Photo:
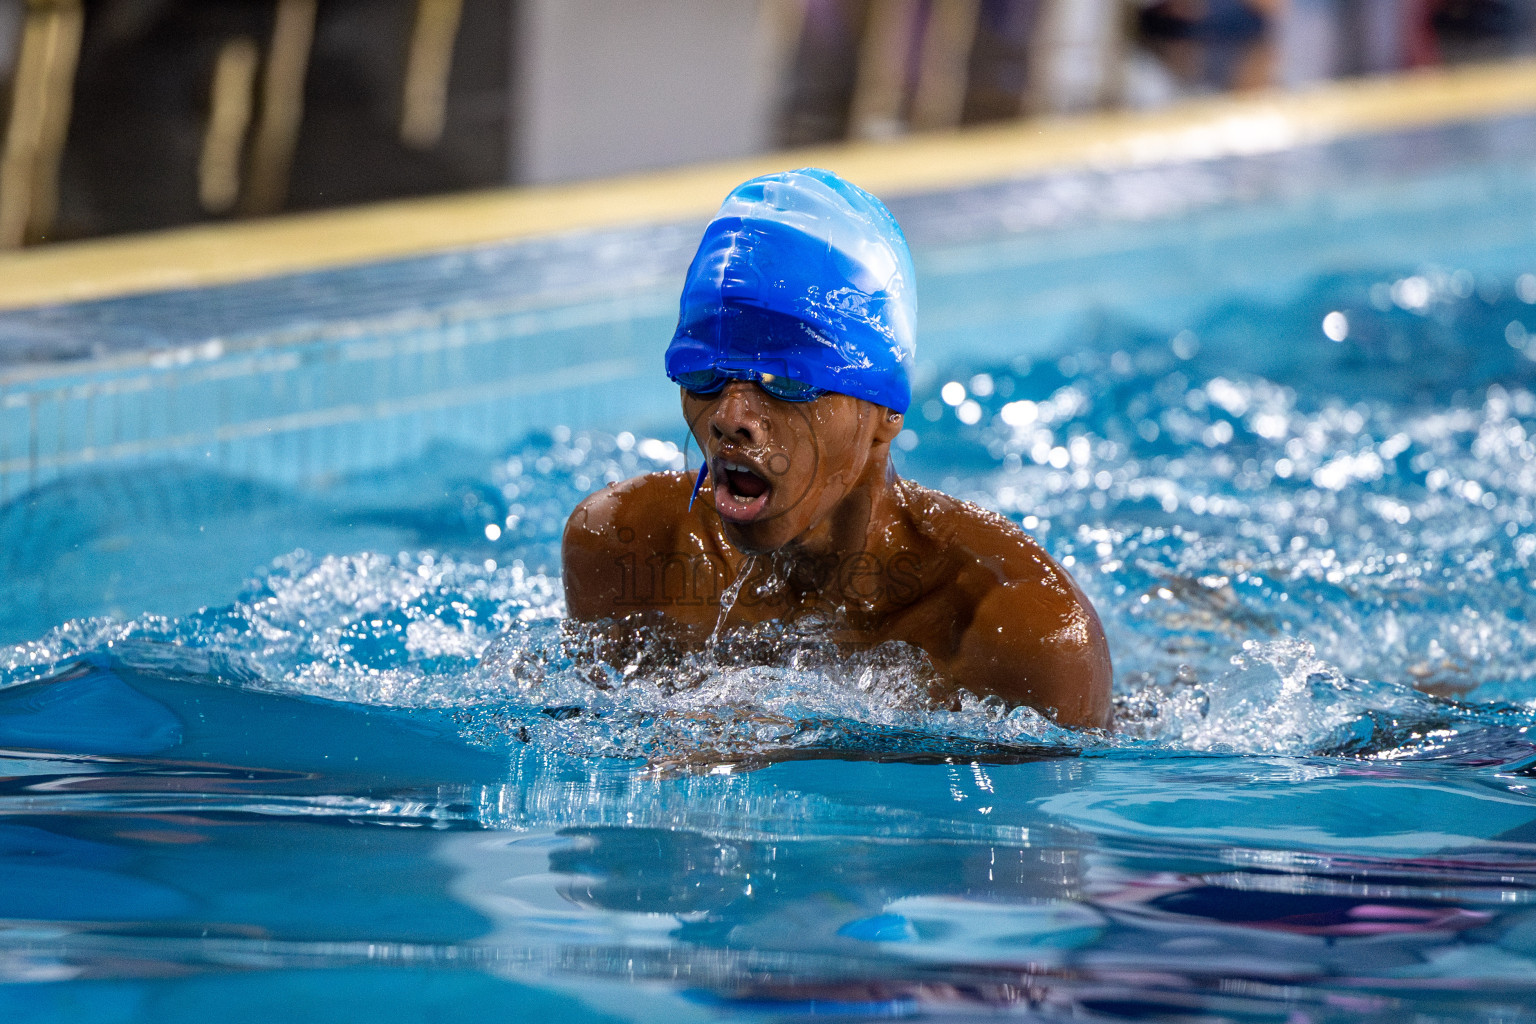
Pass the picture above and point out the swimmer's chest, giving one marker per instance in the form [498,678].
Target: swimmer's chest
[858,601]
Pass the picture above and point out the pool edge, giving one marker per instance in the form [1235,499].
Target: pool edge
[226,253]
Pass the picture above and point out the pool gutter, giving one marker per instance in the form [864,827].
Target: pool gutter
[215,254]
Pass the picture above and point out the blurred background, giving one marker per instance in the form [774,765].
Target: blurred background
[127,115]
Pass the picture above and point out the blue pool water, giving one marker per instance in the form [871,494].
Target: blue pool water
[1287,444]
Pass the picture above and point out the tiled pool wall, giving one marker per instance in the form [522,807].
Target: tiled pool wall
[298,380]
[304,408]
[301,380]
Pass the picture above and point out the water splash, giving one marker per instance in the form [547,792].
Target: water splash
[728,598]
[492,647]
[1298,545]
[1253,479]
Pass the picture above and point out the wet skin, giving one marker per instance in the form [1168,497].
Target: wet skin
[804,510]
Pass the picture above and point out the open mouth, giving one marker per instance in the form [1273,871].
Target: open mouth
[741,491]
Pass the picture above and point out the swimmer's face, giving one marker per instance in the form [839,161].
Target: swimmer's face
[777,468]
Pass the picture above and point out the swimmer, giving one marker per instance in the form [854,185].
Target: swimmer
[793,353]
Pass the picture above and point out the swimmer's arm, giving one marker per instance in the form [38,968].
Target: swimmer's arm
[591,562]
[1031,644]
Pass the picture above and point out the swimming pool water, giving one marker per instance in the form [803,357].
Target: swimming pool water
[374,781]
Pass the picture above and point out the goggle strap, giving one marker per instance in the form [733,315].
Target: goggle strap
[698,485]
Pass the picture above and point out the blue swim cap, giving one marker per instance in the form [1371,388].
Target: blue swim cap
[806,276]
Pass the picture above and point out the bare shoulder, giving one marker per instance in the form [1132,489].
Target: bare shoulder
[630,505]
[991,539]
[1030,634]
[631,518]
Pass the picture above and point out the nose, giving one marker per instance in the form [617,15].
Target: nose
[739,414]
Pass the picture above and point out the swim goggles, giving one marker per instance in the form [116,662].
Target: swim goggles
[711,380]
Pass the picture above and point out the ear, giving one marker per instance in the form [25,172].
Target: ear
[888,426]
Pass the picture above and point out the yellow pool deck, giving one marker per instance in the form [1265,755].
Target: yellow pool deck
[230,252]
